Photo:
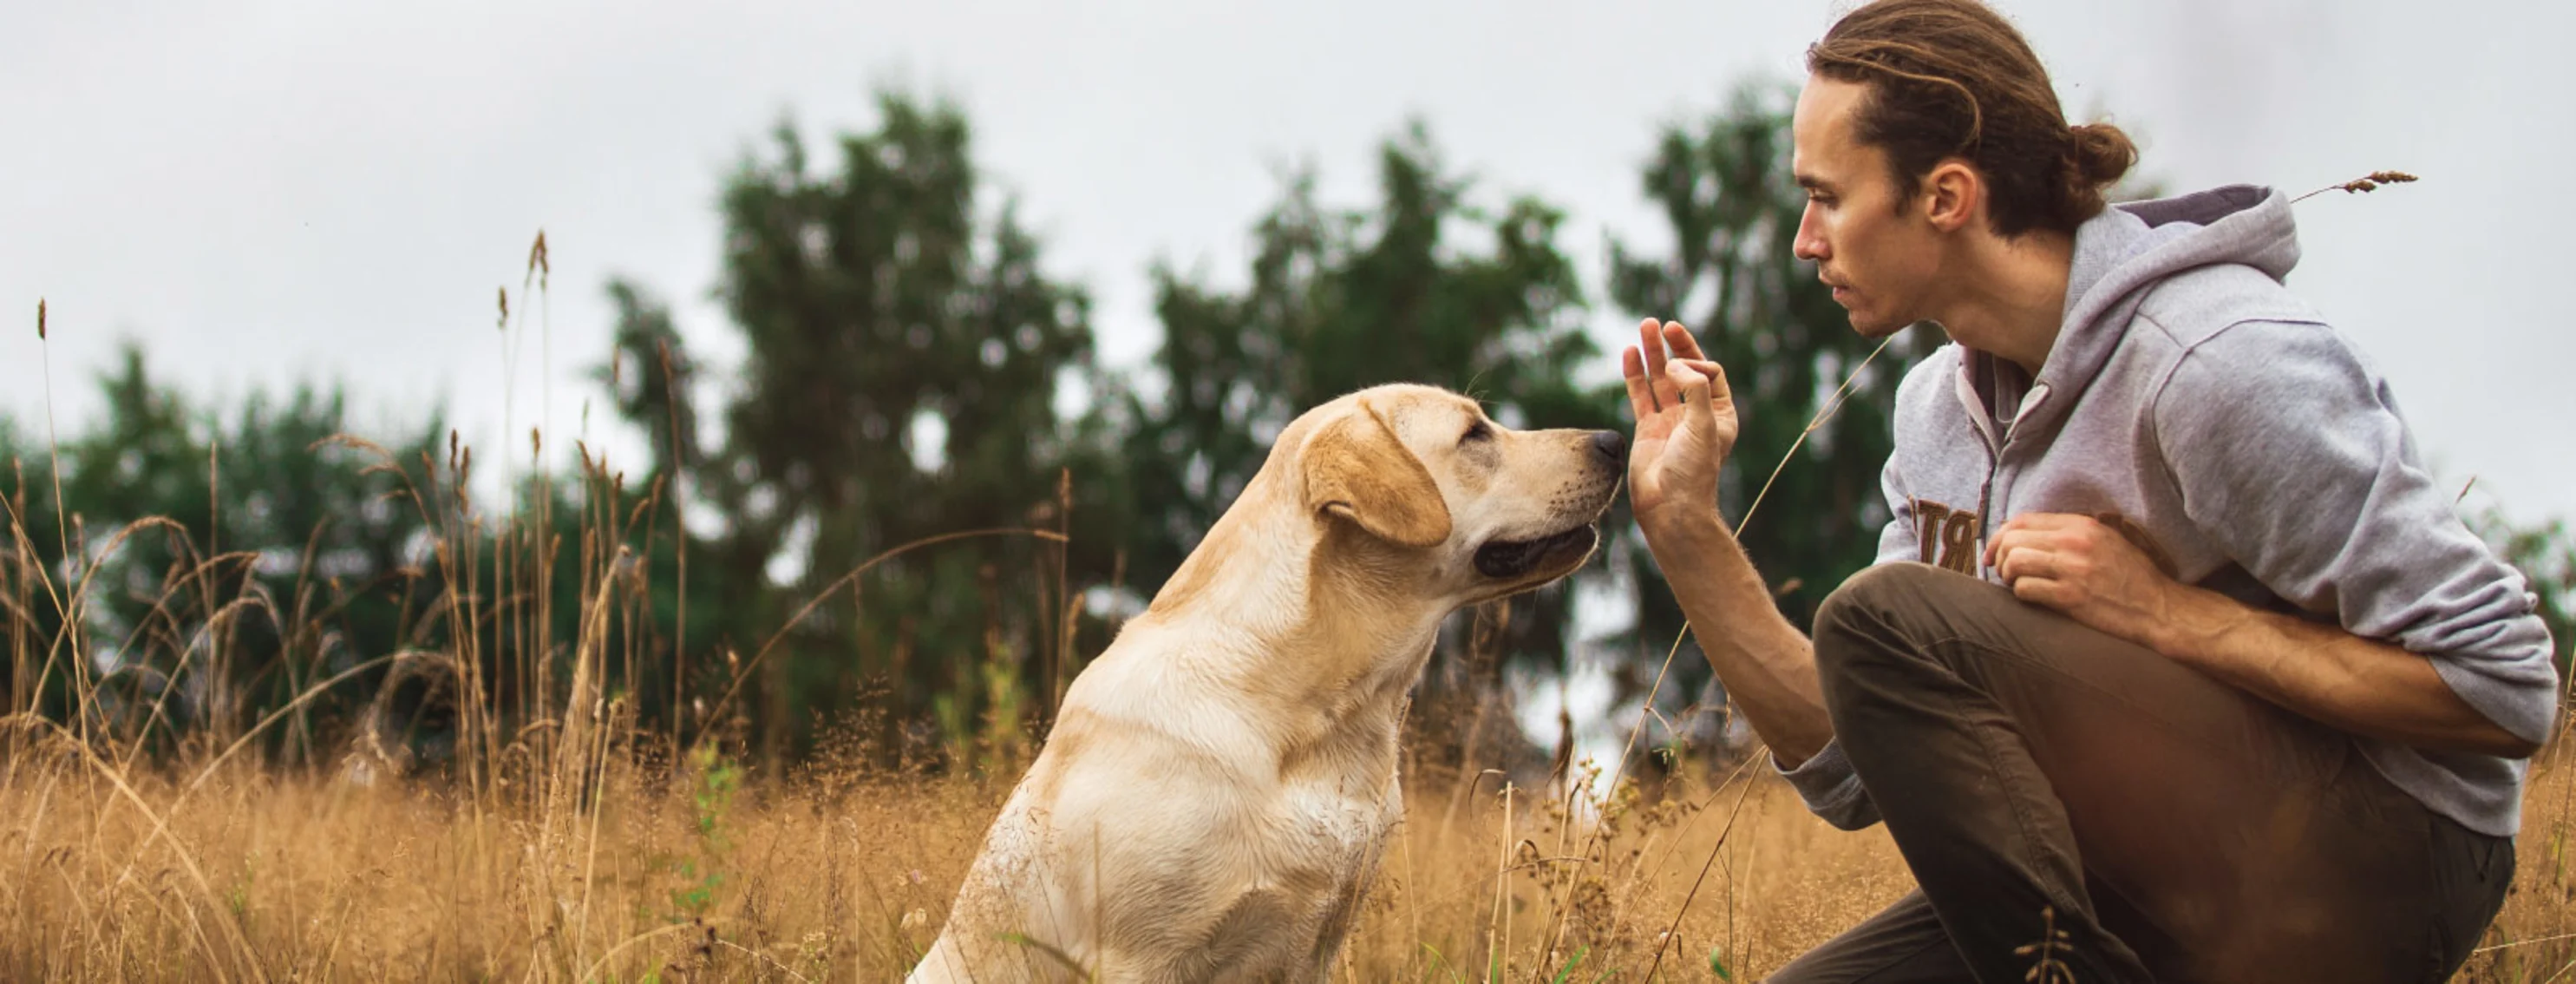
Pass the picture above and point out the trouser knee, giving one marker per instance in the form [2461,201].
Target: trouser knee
[1874,615]
[1881,624]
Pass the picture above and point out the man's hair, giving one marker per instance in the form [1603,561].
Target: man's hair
[1952,78]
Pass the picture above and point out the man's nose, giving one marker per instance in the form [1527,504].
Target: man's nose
[1612,446]
[1809,241]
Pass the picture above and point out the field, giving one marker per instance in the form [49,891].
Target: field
[689,871]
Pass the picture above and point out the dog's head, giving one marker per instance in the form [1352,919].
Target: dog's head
[1419,477]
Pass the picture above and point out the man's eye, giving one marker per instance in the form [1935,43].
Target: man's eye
[1478,431]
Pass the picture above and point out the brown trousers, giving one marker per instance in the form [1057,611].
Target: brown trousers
[2037,773]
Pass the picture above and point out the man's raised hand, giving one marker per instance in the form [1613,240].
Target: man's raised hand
[1686,422]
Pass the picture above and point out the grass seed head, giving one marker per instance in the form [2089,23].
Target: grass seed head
[2372,181]
[2367,182]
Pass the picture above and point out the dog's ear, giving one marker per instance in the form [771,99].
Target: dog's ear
[1356,469]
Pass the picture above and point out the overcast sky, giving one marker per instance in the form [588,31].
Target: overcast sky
[261,191]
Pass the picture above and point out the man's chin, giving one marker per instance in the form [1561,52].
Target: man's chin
[1866,325]
[1871,324]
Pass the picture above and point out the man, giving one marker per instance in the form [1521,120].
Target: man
[2173,646]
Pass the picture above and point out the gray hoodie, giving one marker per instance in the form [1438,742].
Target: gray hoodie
[2207,413]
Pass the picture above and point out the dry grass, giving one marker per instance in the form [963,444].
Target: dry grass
[841,874]
[834,874]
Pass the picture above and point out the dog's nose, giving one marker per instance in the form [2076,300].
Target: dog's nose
[1611,445]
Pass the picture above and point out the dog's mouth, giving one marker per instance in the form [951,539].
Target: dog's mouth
[1507,559]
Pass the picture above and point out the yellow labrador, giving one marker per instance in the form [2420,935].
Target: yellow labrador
[1219,784]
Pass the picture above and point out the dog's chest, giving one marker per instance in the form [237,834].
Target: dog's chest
[1319,849]
[1341,819]
[1327,837]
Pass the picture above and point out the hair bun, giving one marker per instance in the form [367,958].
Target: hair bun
[2099,153]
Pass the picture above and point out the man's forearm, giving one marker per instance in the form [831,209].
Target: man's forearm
[2322,672]
[1766,664]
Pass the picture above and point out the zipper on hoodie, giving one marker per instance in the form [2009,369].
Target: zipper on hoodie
[1982,417]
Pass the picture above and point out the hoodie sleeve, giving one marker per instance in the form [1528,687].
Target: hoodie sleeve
[2289,454]
[1830,788]
[1898,541]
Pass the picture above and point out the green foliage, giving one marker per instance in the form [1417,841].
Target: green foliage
[1425,287]
[997,743]
[1732,210]
[649,374]
[649,377]
[2545,553]
[13,450]
[904,350]
[1566,973]
[713,779]
[1725,189]
[267,506]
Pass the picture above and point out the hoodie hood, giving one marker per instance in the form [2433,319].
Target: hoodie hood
[2130,248]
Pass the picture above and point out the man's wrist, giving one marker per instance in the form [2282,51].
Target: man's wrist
[1681,522]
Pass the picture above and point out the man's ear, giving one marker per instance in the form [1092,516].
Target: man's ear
[1356,469]
[1953,193]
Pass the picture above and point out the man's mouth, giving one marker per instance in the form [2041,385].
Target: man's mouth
[1507,559]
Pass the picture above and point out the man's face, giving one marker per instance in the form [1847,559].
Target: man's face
[1881,257]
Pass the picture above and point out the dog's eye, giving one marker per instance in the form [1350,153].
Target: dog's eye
[1478,431]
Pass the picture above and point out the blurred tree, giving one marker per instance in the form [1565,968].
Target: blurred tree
[1732,209]
[1423,288]
[2546,554]
[226,564]
[904,353]
[19,638]
[649,376]
[651,379]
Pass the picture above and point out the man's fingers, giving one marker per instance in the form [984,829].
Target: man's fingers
[2015,533]
[2022,564]
[1650,338]
[2045,591]
[1641,395]
[1679,340]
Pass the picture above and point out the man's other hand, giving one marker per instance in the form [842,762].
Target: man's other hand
[2079,566]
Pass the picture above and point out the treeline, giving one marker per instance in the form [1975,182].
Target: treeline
[920,502]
